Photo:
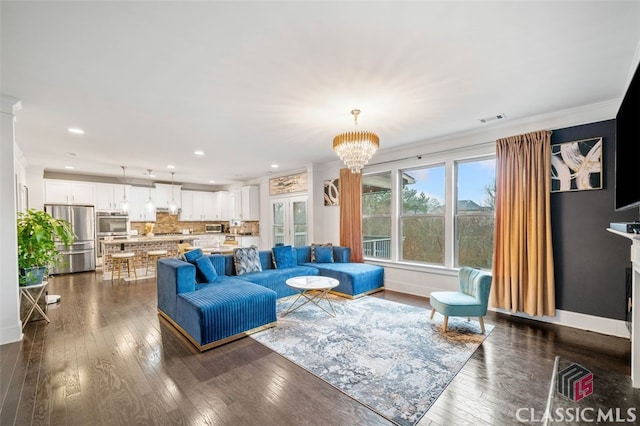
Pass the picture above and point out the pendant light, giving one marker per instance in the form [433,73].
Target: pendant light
[124,203]
[356,148]
[173,207]
[150,206]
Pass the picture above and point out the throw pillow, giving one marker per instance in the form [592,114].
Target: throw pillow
[192,255]
[247,259]
[324,254]
[205,270]
[315,246]
[283,257]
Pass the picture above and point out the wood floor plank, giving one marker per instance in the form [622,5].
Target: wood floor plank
[107,358]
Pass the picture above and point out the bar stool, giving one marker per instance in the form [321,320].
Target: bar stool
[153,256]
[119,259]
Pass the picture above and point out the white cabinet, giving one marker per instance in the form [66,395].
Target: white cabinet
[235,204]
[137,209]
[192,206]
[248,240]
[68,192]
[221,205]
[165,194]
[224,205]
[245,203]
[250,203]
[109,196]
[208,240]
[204,206]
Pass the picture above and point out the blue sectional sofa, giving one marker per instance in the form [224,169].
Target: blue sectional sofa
[205,299]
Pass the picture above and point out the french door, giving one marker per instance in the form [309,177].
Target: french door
[289,220]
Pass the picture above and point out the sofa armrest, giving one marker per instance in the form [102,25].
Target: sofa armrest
[341,254]
[176,276]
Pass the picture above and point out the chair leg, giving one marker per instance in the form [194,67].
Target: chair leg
[446,322]
[133,264]
[119,269]
[433,311]
[481,324]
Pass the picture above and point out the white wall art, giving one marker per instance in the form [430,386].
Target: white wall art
[577,165]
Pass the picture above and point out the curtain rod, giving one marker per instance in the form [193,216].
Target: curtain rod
[419,156]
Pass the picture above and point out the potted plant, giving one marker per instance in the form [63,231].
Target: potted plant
[38,236]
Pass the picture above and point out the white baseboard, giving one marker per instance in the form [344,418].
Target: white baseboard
[577,320]
[11,334]
[580,321]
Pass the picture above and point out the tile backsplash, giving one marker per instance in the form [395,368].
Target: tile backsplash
[169,223]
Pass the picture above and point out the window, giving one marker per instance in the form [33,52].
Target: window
[475,206]
[376,215]
[422,215]
[434,211]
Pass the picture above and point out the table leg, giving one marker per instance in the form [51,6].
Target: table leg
[317,296]
[34,305]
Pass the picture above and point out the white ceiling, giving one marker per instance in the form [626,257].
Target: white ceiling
[256,83]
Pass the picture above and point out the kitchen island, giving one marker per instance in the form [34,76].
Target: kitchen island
[140,246]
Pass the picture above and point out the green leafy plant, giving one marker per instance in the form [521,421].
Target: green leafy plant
[38,234]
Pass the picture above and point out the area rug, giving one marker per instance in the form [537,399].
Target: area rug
[388,356]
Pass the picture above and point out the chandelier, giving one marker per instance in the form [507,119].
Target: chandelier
[356,148]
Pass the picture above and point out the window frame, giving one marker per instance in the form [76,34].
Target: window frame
[401,215]
[449,158]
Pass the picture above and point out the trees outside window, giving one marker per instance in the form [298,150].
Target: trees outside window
[475,210]
[376,215]
[422,215]
[440,213]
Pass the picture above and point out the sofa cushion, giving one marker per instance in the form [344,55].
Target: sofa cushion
[192,255]
[356,279]
[313,249]
[205,271]
[324,254]
[275,279]
[283,257]
[247,260]
[224,310]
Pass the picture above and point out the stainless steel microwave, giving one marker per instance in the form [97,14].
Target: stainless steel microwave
[214,228]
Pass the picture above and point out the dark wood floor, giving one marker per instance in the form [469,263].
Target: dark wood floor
[107,358]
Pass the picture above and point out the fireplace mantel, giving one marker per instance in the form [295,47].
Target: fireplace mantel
[635,304]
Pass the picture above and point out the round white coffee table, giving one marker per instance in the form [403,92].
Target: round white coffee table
[314,289]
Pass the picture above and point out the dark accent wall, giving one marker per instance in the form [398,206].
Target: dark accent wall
[589,261]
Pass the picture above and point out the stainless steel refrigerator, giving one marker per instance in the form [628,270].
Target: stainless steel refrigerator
[81,256]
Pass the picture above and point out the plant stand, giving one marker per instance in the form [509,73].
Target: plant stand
[32,301]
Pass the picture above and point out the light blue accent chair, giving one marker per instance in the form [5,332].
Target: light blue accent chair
[470,301]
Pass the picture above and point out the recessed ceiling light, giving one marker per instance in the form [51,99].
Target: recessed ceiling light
[171,166]
[69,167]
[212,181]
[274,166]
[75,130]
[198,152]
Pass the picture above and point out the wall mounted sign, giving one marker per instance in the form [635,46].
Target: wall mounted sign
[577,165]
[287,184]
[332,192]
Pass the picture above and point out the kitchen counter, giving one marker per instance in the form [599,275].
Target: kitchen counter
[140,246]
[175,238]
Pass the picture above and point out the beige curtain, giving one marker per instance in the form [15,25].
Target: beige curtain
[523,278]
[351,213]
